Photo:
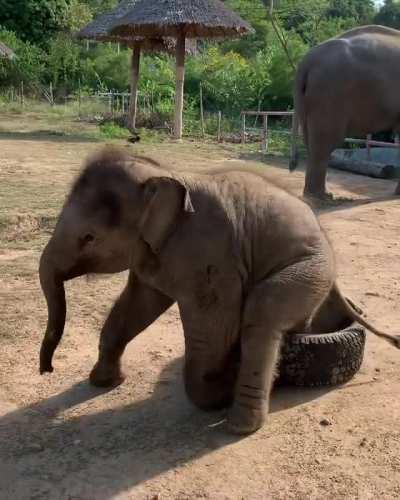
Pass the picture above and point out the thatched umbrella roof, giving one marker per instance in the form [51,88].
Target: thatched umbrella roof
[100,29]
[181,19]
[199,18]
[6,51]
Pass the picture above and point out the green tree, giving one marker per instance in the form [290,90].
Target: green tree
[63,62]
[362,11]
[256,14]
[99,6]
[389,14]
[78,15]
[35,21]
[301,16]
[29,65]
[317,20]
[225,77]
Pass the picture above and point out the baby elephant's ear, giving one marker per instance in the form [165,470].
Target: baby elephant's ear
[166,200]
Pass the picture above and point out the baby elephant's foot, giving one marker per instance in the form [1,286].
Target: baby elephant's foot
[106,375]
[245,420]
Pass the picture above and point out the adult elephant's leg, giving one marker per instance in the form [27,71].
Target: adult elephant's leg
[397,192]
[324,134]
[273,307]
[138,306]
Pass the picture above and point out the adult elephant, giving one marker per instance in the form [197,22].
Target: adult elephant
[346,86]
[245,261]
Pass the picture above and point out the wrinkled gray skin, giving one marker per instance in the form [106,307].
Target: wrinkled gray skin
[345,87]
[245,261]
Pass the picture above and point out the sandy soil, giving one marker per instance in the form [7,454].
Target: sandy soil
[62,439]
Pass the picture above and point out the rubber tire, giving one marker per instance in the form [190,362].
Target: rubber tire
[315,360]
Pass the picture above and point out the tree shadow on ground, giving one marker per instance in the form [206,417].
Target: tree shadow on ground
[46,135]
[98,455]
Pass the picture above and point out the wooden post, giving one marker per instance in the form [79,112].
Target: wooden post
[243,128]
[132,114]
[265,133]
[180,82]
[79,98]
[219,137]
[203,133]
[295,131]
[22,95]
[51,94]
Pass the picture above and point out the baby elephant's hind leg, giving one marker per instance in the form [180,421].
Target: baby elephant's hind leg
[275,306]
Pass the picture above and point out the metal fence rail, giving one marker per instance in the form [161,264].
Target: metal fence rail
[381,144]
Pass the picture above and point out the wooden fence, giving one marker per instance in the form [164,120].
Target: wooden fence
[369,142]
[265,115]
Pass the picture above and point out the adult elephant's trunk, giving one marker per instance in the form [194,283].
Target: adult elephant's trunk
[52,282]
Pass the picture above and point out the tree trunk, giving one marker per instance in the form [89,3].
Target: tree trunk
[180,81]
[132,114]
[370,168]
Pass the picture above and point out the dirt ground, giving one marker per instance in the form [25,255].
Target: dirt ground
[62,439]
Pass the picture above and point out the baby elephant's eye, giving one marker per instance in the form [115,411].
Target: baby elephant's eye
[84,240]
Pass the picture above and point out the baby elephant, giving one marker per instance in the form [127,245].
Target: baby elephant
[245,261]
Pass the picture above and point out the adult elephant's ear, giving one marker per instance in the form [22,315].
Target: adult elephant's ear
[166,200]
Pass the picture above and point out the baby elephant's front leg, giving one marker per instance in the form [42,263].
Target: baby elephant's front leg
[211,360]
[138,307]
[209,386]
[272,308]
[259,356]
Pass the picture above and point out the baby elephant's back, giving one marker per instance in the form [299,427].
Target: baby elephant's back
[275,227]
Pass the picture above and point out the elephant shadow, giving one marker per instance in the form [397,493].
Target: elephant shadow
[98,455]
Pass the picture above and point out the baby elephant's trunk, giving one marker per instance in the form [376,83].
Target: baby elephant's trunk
[52,284]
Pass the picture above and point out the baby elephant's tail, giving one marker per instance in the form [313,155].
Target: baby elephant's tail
[392,339]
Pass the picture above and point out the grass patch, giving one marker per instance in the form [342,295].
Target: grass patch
[111,130]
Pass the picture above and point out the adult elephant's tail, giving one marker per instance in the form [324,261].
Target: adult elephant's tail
[300,119]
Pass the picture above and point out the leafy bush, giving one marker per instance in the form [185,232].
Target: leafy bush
[29,64]
[63,66]
[35,21]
